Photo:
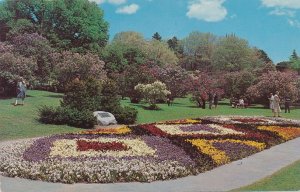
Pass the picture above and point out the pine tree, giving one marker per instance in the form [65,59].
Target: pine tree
[156,36]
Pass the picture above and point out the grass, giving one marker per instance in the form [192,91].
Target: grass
[18,122]
[286,179]
[183,108]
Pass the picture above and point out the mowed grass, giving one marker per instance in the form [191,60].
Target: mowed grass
[286,179]
[184,108]
[18,122]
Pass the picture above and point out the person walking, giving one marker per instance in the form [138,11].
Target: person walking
[271,100]
[276,105]
[287,103]
[216,100]
[21,91]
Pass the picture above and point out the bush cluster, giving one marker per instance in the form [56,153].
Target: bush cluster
[84,97]
[66,115]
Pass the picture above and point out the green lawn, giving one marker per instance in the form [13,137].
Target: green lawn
[183,108]
[21,122]
[287,179]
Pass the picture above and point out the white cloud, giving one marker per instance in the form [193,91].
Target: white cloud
[115,2]
[294,23]
[207,10]
[283,12]
[291,4]
[128,9]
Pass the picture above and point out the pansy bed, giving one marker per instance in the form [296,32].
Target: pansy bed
[144,153]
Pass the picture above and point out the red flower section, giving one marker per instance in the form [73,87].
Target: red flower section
[154,130]
[249,120]
[250,134]
[83,145]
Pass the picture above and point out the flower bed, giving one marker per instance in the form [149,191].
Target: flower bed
[144,153]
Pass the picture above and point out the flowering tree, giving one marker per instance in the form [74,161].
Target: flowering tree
[284,82]
[201,85]
[175,78]
[129,78]
[67,65]
[38,48]
[14,66]
[153,92]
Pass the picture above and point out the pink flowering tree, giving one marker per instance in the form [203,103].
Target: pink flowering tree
[201,85]
[284,82]
[68,65]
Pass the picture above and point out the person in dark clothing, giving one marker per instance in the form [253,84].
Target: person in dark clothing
[216,100]
[287,103]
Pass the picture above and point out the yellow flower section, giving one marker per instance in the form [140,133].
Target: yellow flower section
[192,121]
[183,121]
[117,131]
[206,147]
[258,145]
[286,133]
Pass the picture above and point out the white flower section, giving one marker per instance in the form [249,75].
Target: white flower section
[68,148]
[207,10]
[175,130]
[128,9]
[291,4]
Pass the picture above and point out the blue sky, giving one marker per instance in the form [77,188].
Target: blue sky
[271,25]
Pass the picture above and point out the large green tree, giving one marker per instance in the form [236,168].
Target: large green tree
[198,49]
[67,24]
[234,54]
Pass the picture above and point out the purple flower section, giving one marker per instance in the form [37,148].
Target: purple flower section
[235,150]
[199,127]
[165,150]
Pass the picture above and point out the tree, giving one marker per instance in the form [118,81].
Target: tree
[201,85]
[160,54]
[174,45]
[156,36]
[117,56]
[284,82]
[129,78]
[175,78]
[198,49]
[295,62]
[233,54]
[38,48]
[69,25]
[237,83]
[13,66]
[263,56]
[68,65]
[153,92]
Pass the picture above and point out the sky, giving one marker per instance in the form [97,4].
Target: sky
[271,25]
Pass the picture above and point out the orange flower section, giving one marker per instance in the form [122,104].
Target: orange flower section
[286,133]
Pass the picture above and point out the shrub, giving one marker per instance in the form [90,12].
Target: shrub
[126,115]
[66,115]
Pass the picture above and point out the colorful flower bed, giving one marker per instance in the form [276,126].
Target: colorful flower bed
[145,153]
